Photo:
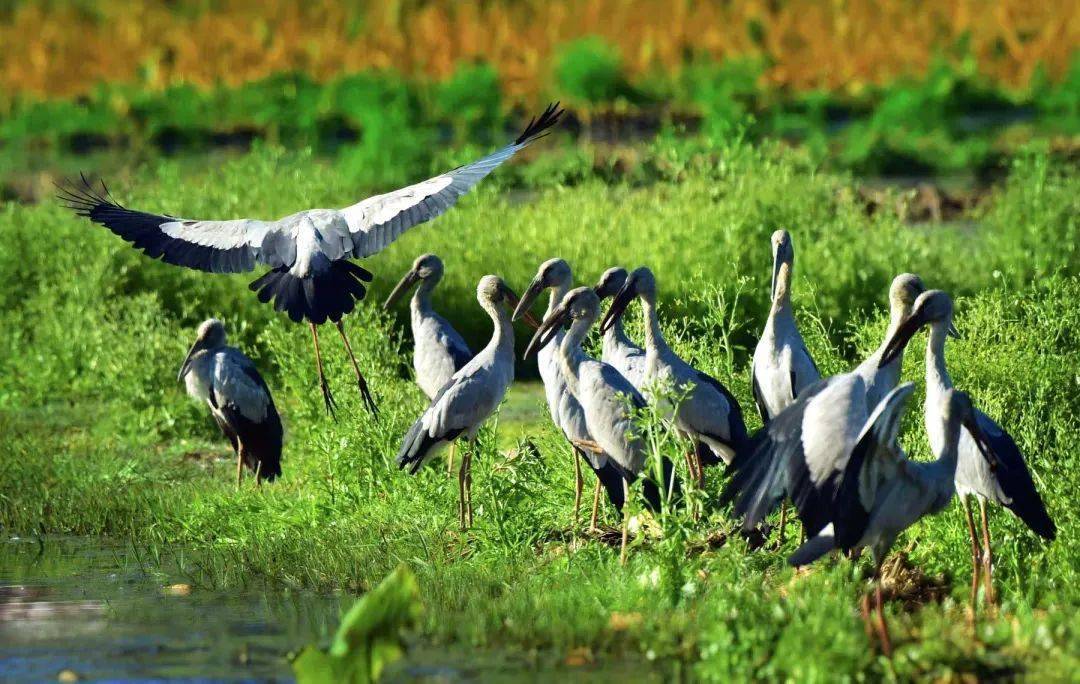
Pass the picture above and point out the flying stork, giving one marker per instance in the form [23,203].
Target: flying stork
[309,253]
[238,398]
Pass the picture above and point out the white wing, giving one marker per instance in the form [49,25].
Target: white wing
[377,221]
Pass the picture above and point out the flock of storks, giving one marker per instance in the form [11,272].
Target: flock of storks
[828,445]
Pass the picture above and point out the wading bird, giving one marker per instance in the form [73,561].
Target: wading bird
[1003,478]
[782,367]
[439,351]
[803,449]
[469,398]
[707,412]
[881,493]
[238,398]
[881,378]
[606,397]
[618,349]
[566,411]
[311,276]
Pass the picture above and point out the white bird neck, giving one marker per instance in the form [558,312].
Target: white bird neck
[421,299]
[555,297]
[654,338]
[615,337]
[937,376]
[502,337]
[570,355]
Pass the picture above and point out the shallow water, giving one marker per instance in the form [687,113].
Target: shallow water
[94,608]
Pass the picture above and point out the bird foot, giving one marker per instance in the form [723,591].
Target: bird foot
[369,400]
[328,398]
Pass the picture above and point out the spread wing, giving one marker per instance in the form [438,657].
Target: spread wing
[377,221]
[214,246]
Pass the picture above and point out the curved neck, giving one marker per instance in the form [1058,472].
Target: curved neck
[570,354]
[421,299]
[654,338]
[937,376]
[555,297]
[502,338]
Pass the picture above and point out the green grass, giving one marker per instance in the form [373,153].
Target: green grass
[99,439]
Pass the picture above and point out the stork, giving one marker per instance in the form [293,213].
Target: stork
[782,366]
[880,378]
[618,349]
[804,448]
[1003,478]
[238,398]
[439,351]
[607,399]
[707,412]
[470,397]
[311,276]
[566,411]
[881,493]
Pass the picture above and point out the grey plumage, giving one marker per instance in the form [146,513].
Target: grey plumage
[238,398]
[439,350]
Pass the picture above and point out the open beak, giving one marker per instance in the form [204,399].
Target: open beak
[410,279]
[983,443]
[618,305]
[901,337]
[531,293]
[186,366]
[521,307]
[547,332]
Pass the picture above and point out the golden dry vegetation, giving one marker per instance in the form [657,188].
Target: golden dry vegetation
[64,48]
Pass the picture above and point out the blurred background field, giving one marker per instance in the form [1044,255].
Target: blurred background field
[895,87]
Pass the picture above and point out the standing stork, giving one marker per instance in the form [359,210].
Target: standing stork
[238,398]
[618,349]
[606,397]
[1003,477]
[469,398]
[782,366]
[803,449]
[882,493]
[708,413]
[311,276]
[566,411]
[439,351]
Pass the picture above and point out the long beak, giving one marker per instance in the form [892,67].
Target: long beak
[903,335]
[187,361]
[618,306]
[775,272]
[410,279]
[531,293]
[547,332]
[983,443]
[520,304]
[953,332]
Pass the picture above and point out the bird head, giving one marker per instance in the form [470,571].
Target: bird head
[427,268]
[552,273]
[210,335]
[492,291]
[580,306]
[611,281]
[640,283]
[932,307]
[783,255]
